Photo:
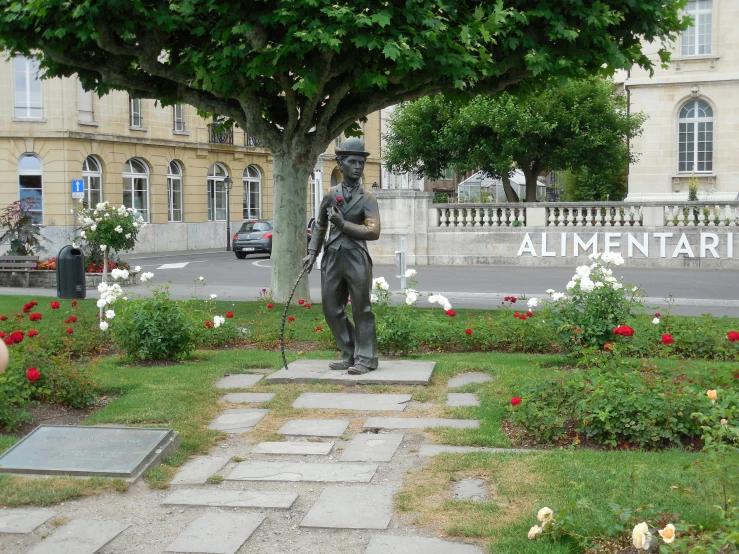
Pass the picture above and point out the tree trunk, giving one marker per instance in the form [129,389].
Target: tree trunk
[105,279]
[510,194]
[289,238]
[531,184]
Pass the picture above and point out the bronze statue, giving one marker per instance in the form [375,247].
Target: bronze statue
[346,267]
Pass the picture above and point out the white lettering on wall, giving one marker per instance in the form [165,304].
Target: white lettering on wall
[662,242]
[706,246]
[683,247]
[544,247]
[527,246]
[609,242]
[642,246]
[730,245]
[592,243]
[563,245]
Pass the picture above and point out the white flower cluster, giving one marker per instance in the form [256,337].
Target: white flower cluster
[108,294]
[411,296]
[148,276]
[410,273]
[380,283]
[119,274]
[545,516]
[594,276]
[218,321]
[441,301]
[102,211]
[641,538]
[533,303]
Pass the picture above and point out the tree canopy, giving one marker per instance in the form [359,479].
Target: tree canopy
[297,73]
[580,125]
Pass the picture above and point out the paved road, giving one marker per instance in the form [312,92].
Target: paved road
[695,291]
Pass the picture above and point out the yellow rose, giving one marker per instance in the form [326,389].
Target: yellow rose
[712,395]
[641,536]
[534,532]
[668,533]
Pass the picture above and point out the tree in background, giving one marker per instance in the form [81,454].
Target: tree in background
[581,126]
[298,73]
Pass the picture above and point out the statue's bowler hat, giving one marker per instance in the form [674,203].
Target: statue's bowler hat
[352,147]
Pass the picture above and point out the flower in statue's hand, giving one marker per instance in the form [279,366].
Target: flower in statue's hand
[339,199]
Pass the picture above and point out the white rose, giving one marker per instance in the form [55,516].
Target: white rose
[83,234]
[447,306]
[411,298]
[545,515]
[135,224]
[103,247]
[373,298]
[101,303]
[668,533]
[137,269]
[218,321]
[433,299]
[118,229]
[213,296]
[617,286]
[618,260]
[583,271]
[550,291]
[201,278]
[109,314]
[128,235]
[587,285]
[599,285]
[570,285]
[557,296]
[534,532]
[641,537]
[533,302]
[103,325]
[655,321]
[93,227]
[410,273]
[147,276]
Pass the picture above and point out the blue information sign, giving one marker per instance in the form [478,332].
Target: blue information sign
[78,188]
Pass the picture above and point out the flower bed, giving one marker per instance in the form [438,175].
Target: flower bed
[46,279]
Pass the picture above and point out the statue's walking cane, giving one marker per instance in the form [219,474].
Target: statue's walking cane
[284,313]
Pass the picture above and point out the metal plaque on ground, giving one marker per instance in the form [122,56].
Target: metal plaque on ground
[125,452]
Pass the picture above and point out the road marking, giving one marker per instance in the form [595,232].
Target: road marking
[258,263]
[173,266]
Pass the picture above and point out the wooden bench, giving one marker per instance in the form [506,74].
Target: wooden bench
[19,264]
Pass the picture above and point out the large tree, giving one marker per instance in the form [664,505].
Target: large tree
[579,125]
[296,73]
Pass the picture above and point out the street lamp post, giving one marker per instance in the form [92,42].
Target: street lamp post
[228,183]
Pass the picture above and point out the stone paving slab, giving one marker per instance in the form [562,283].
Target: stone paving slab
[297,471]
[348,401]
[232,499]
[470,489]
[247,397]
[216,533]
[419,423]
[454,399]
[395,372]
[436,449]
[294,448]
[243,381]
[197,470]
[468,379]
[23,520]
[359,507]
[369,447]
[390,544]
[80,537]
[238,420]
[314,427]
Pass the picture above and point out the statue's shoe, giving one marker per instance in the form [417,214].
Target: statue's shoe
[339,366]
[358,370]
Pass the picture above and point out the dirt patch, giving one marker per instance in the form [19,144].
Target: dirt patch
[56,414]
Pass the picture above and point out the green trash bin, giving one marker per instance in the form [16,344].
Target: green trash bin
[70,273]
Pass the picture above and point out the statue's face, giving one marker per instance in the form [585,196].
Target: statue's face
[352,167]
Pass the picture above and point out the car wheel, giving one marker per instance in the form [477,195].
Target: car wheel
[241,255]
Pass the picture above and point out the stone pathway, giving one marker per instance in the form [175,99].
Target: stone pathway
[326,488]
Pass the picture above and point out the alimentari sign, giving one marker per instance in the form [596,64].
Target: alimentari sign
[629,245]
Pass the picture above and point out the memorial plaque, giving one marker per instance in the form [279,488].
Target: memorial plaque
[124,452]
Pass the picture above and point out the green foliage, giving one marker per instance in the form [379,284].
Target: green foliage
[154,328]
[23,237]
[580,126]
[15,395]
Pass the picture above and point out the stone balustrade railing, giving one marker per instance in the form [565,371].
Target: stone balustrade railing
[585,214]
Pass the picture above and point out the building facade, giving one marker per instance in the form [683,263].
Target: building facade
[167,162]
[693,109]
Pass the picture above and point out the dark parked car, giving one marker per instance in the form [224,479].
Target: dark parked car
[255,237]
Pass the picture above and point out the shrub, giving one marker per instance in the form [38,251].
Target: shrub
[15,395]
[154,328]
[22,236]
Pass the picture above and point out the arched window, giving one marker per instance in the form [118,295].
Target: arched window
[92,174]
[136,186]
[252,193]
[695,137]
[30,184]
[217,193]
[174,191]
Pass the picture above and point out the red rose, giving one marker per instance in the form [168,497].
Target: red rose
[270,306]
[291,318]
[69,331]
[514,299]
[529,314]
[657,314]
[209,324]
[2,335]
[468,331]
[33,303]
[667,339]
[229,315]
[74,303]
[32,374]
[68,320]
[516,400]
[607,347]
[349,301]
[27,307]
[733,336]
[319,328]
[339,199]
[9,341]
[307,306]
[301,302]
[17,336]
[32,333]
[55,305]
[450,313]
[264,290]
[73,318]
[3,318]
[35,316]
[624,331]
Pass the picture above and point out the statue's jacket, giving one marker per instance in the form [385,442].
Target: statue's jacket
[361,220]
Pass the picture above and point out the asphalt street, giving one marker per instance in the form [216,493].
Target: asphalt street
[695,291]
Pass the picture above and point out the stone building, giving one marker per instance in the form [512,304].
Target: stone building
[167,162]
[693,109]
